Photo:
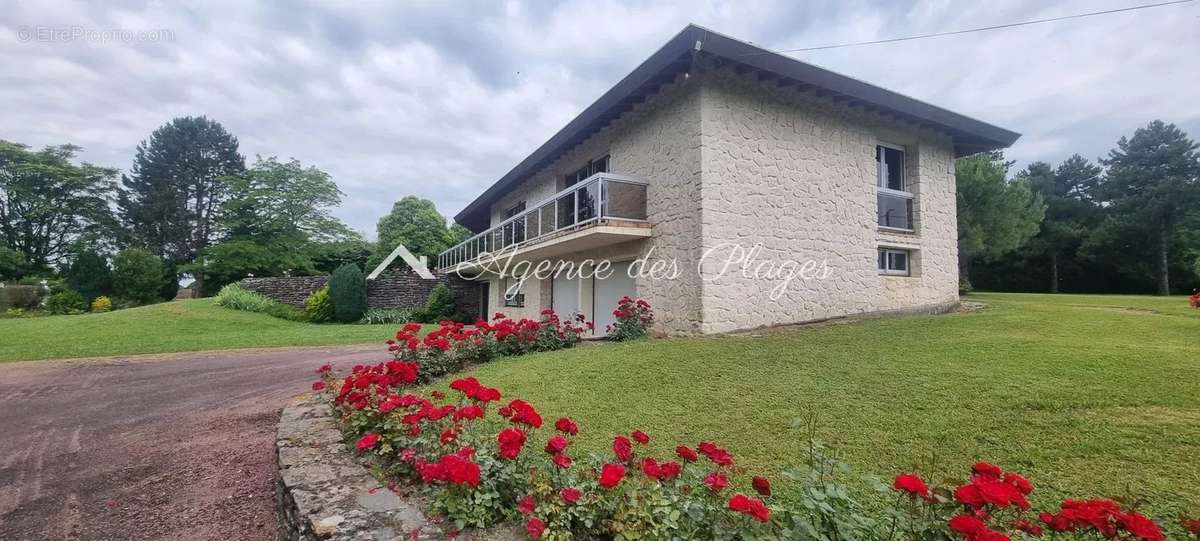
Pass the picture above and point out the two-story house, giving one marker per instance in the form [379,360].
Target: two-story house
[712,146]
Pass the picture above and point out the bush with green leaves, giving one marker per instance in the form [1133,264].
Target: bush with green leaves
[319,306]
[102,304]
[137,275]
[66,302]
[23,297]
[378,316]
[440,306]
[89,275]
[348,289]
[235,297]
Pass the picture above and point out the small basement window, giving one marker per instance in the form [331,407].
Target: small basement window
[895,262]
[511,299]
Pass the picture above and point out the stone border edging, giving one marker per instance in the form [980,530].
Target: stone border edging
[324,492]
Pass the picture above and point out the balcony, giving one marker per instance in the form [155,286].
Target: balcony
[895,209]
[603,209]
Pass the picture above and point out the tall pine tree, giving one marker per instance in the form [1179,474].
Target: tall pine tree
[171,199]
[1070,210]
[1150,186]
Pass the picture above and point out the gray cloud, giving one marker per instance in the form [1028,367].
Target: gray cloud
[440,99]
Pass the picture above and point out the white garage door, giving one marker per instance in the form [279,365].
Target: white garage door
[565,297]
[608,291]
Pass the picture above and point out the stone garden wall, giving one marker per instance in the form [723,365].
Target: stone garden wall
[324,491]
[403,290]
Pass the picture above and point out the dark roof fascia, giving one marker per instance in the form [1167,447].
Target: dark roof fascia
[970,135]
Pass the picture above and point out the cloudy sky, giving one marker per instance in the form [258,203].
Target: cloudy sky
[439,99]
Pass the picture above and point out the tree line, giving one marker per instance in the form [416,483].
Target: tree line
[1129,223]
[190,202]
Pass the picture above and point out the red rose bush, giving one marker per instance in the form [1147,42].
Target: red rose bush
[484,458]
[634,318]
[452,346]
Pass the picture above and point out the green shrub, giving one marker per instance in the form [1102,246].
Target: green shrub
[348,289]
[89,275]
[233,296]
[285,311]
[66,302]
[440,306]
[24,297]
[376,316]
[137,275]
[964,286]
[102,304]
[319,306]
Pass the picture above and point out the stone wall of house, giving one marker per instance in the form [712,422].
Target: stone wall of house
[402,290]
[657,142]
[795,174]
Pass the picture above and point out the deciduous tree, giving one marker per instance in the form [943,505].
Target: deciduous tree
[48,203]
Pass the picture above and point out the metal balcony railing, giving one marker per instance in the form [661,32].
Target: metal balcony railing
[600,197]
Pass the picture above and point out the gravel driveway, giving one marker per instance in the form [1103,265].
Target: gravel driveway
[176,446]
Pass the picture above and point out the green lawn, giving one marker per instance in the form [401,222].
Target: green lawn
[1090,395]
[191,325]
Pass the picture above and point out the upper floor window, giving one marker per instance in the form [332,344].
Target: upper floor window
[515,210]
[598,165]
[893,198]
[890,165]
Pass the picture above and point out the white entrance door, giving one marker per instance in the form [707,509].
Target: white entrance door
[565,297]
[608,291]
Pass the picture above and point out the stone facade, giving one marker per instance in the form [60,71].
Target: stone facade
[730,159]
[403,290]
[796,174]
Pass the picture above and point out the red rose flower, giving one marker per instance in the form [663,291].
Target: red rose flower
[525,505]
[468,412]
[622,448]
[1020,483]
[611,475]
[761,485]
[562,460]
[669,470]
[753,507]
[571,495]
[650,468]
[967,525]
[1140,526]
[987,470]
[566,426]
[556,444]
[318,385]
[535,527]
[640,437]
[511,440]
[368,441]
[912,484]
[687,453]
[716,481]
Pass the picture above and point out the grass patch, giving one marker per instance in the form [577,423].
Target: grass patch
[1091,395]
[186,325]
